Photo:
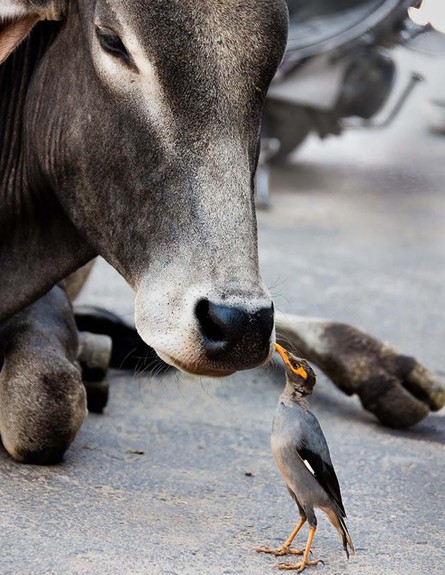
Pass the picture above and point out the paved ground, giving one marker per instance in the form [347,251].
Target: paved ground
[177,477]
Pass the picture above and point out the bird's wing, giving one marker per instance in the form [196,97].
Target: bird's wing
[314,452]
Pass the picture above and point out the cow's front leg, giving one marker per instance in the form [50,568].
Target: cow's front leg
[42,398]
[395,387]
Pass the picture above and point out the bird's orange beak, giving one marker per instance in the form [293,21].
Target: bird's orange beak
[299,370]
[283,353]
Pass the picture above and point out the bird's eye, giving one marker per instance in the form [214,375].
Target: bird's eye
[111,43]
[298,369]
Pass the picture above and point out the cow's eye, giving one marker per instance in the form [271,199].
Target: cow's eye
[112,44]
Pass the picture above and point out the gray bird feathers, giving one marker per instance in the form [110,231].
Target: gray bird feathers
[301,452]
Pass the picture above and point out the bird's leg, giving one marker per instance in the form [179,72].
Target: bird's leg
[285,548]
[305,561]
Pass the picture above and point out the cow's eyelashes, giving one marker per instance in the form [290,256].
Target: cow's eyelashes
[112,44]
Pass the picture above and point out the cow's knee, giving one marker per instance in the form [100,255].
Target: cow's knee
[42,398]
[42,407]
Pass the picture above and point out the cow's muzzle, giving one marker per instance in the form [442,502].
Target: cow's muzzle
[230,332]
[211,336]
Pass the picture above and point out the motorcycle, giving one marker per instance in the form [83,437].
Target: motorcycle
[337,73]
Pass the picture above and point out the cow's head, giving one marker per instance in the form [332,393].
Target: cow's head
[143,119]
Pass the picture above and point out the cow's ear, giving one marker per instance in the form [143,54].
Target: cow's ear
[18,17]
[12,33]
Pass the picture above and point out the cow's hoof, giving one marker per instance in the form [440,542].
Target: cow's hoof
[42,406]
[97,395]
[401,392]
[94,359]
[395,387]
[129,349]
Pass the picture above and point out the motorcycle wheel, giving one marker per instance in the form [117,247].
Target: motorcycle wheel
[289,124]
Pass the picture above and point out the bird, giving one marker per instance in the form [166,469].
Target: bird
[302,456]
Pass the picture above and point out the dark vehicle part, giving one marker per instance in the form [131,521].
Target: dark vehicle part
[335,67]
[367,84]
[289,124]
[323,25]
[414,80]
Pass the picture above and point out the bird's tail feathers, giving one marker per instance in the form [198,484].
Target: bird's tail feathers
[345,537]
[337,519]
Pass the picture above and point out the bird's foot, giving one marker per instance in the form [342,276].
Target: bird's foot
[283,550]
[299,567]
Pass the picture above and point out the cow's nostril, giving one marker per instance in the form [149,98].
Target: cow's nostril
[209,322]
[223,327]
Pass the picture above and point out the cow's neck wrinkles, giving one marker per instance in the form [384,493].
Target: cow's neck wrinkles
[38,244]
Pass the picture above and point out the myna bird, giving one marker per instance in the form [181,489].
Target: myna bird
[302,456]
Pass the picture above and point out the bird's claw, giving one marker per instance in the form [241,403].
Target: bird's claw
[299,567]
[280,551]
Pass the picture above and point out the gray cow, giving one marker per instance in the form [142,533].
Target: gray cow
[130,129]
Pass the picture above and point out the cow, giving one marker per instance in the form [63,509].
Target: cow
[130,129]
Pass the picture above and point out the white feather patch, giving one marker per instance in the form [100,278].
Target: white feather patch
[308,465]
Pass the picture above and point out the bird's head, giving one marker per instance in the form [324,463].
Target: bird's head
[299,374]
